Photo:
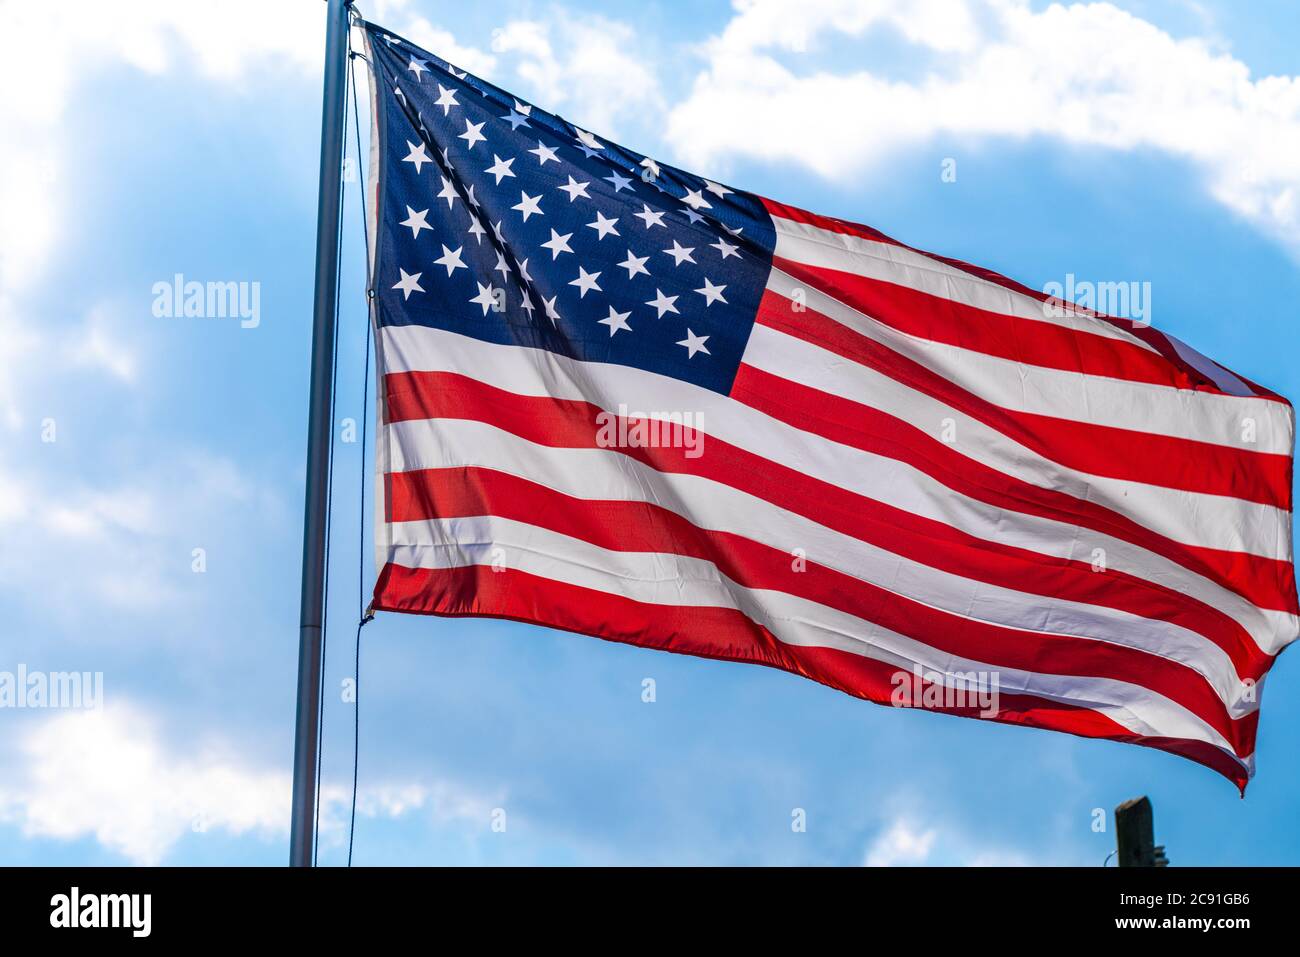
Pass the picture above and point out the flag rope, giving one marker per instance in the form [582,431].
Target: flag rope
[366,613]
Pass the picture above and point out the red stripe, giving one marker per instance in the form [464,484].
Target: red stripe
[629,526]
[1194,378]
[1264,582]
[1124,454]
[1029,341]
[565,423]
[720,633]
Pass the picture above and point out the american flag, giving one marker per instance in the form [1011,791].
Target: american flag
[623,400]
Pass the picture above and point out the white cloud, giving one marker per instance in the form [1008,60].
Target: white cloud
[586,69]
[18,342]
[395,15]
[906,843]
[68,41]
[28,353]
[795,25]
[55,48]
[1086,73]
[127,544]
[98,347]
[108,774]
[105,774]
[901,843]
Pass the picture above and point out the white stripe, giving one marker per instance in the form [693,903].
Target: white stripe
[597,474]
[673,580]
[806,243]
[1255,425]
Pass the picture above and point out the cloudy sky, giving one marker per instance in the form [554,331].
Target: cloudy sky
[1149,140]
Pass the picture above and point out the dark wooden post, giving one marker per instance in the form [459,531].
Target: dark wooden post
[1135,835]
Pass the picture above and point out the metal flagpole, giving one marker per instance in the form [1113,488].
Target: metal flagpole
[307,732]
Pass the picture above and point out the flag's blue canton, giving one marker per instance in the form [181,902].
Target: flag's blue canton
[511,225]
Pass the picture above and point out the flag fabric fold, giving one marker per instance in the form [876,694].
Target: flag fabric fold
[627,401]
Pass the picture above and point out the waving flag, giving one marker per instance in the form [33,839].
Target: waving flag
[621,399]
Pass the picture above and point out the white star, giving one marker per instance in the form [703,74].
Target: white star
[417,156]
[451,260]
[650,217]
[635,264]
[651,168]
[524,108]
[390,40]
[725,248]
[616,321]
[470,197]
[734,232]
[528,205]
[409,284]
[515,118]
[576,189]
[620,182]
[476,229]
[472,134]
[551,312]
[558,244]
[680,253]
[503,267]
[527,304]
[496,231]
[603,226]
[416,221]
[448,192]
[587,140]
[694,344]
[456,73]
[486,297]
[694,200]
[417,67]
[500,168]
[523,271]
[663,303]
[693,216]
[544,153]
[711,293]
[716,190]
[585,282]
[446,99]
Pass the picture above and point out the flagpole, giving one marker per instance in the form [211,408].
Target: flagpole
[306,745]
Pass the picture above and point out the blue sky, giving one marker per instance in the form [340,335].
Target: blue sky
[1156,143]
